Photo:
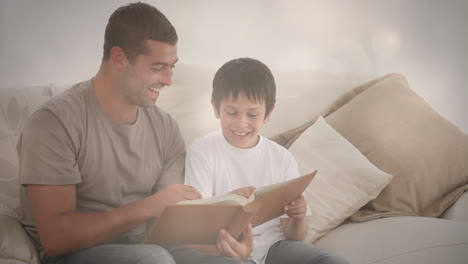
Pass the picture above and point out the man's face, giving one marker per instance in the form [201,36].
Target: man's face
[241,120]
[149,73]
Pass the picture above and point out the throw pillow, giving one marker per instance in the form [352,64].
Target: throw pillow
[345,181]
[14,242]
[401,134]
[286,138]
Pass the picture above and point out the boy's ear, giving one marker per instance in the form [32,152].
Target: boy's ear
[118,58]
[267,117]
[215,109]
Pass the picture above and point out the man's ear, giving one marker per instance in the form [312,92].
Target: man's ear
[215,109]
[118,58]
[267,117]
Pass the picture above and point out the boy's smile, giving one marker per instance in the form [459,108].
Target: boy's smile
[241,120]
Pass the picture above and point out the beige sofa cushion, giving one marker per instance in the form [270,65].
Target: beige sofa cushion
[288,137]
[459,210]
[345,181]
[14,242]
[402,135]
[16,104]
[403,239]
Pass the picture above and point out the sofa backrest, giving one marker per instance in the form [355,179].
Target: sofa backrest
[301,96]
[16,105]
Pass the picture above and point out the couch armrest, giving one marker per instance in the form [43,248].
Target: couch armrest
[459,210]
[14,242]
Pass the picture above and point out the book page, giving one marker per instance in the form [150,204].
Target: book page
[267,188]
[219,199]
[275,197]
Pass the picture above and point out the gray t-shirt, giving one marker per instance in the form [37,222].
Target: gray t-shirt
[70,140]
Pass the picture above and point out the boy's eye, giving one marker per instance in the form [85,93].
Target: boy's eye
[231,113]
[253,115]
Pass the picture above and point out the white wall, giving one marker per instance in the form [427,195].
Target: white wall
[60,41]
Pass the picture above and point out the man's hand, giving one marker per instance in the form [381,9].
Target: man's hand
[297,209]
[175,193]
[244,191]
[230,247]
[172,194]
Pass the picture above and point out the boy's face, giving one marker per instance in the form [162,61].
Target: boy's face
[241,120]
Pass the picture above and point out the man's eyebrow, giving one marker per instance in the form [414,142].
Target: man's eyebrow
[163,63]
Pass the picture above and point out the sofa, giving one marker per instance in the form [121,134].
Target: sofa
[392,173]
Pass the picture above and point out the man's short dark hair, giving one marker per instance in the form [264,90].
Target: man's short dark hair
[130,26]
[247,76]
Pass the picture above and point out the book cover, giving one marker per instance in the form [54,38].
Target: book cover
[199,221]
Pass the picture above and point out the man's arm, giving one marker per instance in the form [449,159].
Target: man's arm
[63,230]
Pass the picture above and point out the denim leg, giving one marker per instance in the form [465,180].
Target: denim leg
[184,255]
[299,252]
[116,254]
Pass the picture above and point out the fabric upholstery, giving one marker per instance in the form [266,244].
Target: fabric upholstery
[345,181]
[16,105]
[403,239]
[402,135]
[14,242]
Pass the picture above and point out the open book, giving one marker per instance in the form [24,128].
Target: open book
[199,221]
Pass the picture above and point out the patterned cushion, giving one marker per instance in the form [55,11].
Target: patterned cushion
[16,105]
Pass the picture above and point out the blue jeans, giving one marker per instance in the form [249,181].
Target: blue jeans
[284,251]
[299,252]
[115,254]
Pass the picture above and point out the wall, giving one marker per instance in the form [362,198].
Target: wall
[60,42]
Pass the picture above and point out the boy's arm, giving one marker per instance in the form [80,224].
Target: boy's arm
[295,227]
[236,249]
[200,175]
[244,191]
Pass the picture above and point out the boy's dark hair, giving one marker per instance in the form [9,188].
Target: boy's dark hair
[247,76]
[130,26]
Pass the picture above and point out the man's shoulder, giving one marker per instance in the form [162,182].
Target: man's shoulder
[70,102]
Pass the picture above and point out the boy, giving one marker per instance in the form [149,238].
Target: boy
[243,98]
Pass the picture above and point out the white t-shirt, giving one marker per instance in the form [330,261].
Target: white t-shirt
[215,167]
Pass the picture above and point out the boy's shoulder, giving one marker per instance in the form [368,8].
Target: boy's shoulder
[273,145]
[276,149]
[206,141]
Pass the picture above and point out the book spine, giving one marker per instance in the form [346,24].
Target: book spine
[242,218]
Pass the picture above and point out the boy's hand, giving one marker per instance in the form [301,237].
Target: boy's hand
[244,191]
[297,209]
[230,247]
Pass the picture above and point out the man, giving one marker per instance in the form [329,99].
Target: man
[100,162]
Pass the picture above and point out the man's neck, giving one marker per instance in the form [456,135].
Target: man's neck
[112,100]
